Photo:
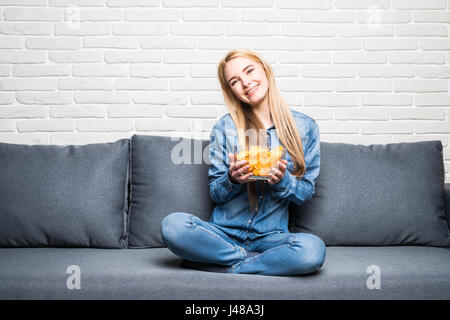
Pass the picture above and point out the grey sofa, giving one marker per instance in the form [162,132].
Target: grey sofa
[83,222]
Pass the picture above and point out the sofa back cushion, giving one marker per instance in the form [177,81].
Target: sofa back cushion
[64,196]
[373,195]
[167,175]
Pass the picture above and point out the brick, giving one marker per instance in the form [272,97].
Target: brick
[135,111]
[267,15]
[194,84]
[25,138]
[197,29]
[364,31]
[43,125]
[85,56]
[142,84]
[421,30]
[33,14]
[95,14]
[43,98]
[386,99]
[311,85]
[360,57]
[361,113]
[337,127]
[279,43]
[435,44]
[160,97]
[77,138]
[432,99]
[7,125]
[327,16]
[434,72]
[191,111]
[419,4]
[78,111]
[362,4]
[158,71]
[97,70]
[26,28]
[132,3]
[104,125]
[308,30]
[331,100]
[19,56]
[82,29]
[12,42]
[248,3]
[416,57]
[286,70]
[429,126]
[191,56]
[19,111]
[203,124]
[102,97]
[50,43]
[318,114]
[6,98]
[333,44]
[399,126]
[189,3]
[386,71]
[207,98]
[140,29]
[194,15]
[253,29]
[421,137]
[116,42]
[432,16]
[323,71]
[305,57]
[36,70]
[133,56]
[153,14]
[390,44]
[225,43]
[418,113]
[364,139]
[78,3]
[171,42]
[374,16]
[166,124]
[416,85]
[357,85]
[306,4]
[85,83]
[26,84]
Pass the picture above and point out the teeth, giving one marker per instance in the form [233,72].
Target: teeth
[253,89]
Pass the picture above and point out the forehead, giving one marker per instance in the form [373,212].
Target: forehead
[235,66]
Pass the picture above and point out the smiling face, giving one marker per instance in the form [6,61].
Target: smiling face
[247,80]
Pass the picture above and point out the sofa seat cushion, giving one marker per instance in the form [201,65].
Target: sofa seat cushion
[40,273]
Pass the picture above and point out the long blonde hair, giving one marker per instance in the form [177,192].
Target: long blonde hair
[244,118]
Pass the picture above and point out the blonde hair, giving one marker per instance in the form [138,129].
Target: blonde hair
[244,118]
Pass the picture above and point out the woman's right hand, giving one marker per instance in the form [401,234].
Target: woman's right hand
[238,170]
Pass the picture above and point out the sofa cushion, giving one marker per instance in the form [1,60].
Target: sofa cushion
[167,175]
[389,194]
[64,196]
[403,272]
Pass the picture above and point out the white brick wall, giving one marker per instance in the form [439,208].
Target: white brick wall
[79,71]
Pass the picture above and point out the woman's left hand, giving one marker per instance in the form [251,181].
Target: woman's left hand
[278,174]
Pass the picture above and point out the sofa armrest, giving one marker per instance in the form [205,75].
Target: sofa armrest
[447,203]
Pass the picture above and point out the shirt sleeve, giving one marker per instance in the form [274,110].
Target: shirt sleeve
[220,187]
[300,190]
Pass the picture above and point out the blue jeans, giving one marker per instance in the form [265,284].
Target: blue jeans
[193,239]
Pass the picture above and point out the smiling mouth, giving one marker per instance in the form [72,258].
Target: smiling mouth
[253,90]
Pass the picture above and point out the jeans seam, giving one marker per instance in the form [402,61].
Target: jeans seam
[213,234]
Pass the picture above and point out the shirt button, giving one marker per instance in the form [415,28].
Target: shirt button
[249,221]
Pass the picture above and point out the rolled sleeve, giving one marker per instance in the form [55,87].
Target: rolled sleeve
[300,190]
[220,187]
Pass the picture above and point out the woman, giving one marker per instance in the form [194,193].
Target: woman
[248,230]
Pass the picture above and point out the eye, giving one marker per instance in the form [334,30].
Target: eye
[250,71]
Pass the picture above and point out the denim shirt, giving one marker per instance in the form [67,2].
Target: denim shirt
[232,212]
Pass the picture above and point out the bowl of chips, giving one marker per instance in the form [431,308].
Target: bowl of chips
[261,160]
